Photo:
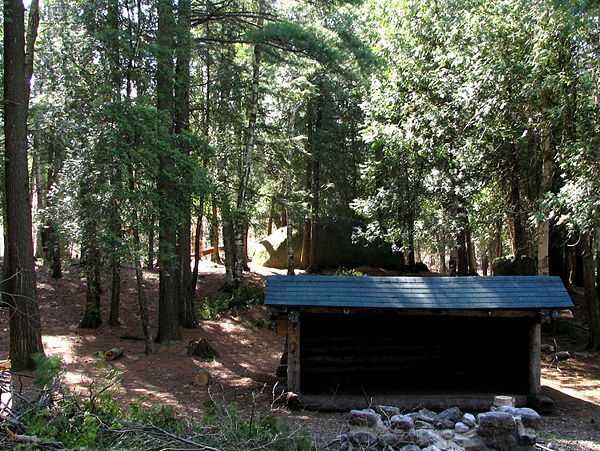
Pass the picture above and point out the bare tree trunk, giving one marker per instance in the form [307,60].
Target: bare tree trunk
[197,252]
[168,318]
[21,296]
[313,265]
[471,253]
[544,226]
[288,198]
[216,257]
[441,245]
[591,294]
[462,257]
[305,255]
[241,213]
[150,264]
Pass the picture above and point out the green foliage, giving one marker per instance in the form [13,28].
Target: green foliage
[245,294]
[48,370]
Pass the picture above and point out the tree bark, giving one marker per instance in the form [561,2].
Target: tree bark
[150,263]
[313,266]
[544,225]
[462,257]
[216,257]
[519,243]
[168,320]
[21,296]
[305,255]
[241,207]
[471,253]
[115,292]
[591,294]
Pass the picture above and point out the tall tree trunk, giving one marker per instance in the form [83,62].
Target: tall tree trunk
[471,252]
[289,223]
[313,266]
[168,318]
[21,296]
[150,263]
[40,204]
[187,317]
[462,257]
[441,245]
[305,255]
[197,252]
[241,213]
[91,260]
[216,257]
[271,214]
[139,276]
[519,243]
[544,226]
[591,294]
[115,292]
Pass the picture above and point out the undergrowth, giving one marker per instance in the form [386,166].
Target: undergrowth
[240,297]
[56,419]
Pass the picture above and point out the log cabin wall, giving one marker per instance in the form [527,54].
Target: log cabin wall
[343,353]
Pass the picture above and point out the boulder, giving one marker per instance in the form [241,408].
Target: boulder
[362,438]
[502,442]
[410,448]
[423,425]
[425,415]
[452,414]
[444,424]
[402,422]
[392,439]
[387,411]
[423,437]
[495,423]
[508,266]
[525,436]
[461,427]
[469,419]
[447,434]
[470,444]
[366,417]
[335,248]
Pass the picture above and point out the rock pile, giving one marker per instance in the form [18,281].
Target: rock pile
[386,428]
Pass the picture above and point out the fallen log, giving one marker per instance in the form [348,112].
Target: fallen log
[114,353]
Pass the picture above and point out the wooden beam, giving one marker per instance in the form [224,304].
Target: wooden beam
[281,311]
[437,402]
[293,367]
[535,357]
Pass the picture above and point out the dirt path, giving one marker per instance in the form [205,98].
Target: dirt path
[248,358]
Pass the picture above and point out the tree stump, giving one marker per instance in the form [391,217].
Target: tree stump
[201,348]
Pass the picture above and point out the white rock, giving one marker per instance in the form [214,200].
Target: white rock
[469,419]
[461,427]
[447,434]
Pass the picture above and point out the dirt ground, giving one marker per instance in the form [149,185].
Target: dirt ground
[249,355]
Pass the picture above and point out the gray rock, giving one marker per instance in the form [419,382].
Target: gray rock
[342,438]
[403,422]
[410,448]
[470,444]
[444,424]
[469,419]
[461,427]
[432,448]
[423,425]
[531,419]
[425,415]
[392,439]
[525,436]
[423,437]
[448,445]
[495,423]
[387,411]
[447,434]
[453,414]
[503,442]
[366,417]
[362,438]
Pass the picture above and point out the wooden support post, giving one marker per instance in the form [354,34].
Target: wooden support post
[293,366]
[535,370]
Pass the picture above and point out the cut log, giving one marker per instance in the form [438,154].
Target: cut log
[114,353]
[5,365]
[202,378]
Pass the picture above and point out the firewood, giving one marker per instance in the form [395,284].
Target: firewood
[202,378]
[114,353]
[5,365]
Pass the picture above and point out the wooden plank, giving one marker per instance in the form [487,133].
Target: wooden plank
[281,327]
[421,312]
[436,402]
[293,367]
[535,356]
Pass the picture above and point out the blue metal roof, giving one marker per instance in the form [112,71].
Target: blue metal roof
[503,292]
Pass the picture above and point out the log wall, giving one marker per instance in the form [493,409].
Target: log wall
[345,353]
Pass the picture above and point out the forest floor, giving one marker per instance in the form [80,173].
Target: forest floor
[249,354]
